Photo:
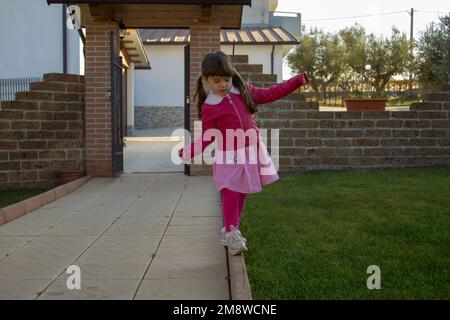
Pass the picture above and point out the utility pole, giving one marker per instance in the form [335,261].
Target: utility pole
[411,40]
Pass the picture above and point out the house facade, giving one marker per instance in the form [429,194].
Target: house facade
[38,40]
[262,37]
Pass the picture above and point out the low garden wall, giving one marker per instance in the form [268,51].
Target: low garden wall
[313,140]
[42,132]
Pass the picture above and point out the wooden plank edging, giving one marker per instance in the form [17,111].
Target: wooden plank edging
[239,283]
[23,207]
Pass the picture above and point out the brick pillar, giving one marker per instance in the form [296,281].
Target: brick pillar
[98,106]
[203,39]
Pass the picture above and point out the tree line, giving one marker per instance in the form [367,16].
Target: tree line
[352,57]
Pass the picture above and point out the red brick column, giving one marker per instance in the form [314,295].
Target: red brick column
[204,39]
[98,106]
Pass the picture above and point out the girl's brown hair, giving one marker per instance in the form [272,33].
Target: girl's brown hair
[218,64]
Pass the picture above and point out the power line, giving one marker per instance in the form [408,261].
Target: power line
[431,12]
[362,16]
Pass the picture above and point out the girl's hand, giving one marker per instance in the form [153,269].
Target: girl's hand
[180,153]
[305,78]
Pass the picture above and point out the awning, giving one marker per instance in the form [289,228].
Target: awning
[244,36]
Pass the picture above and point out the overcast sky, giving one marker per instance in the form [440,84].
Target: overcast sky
[427,12]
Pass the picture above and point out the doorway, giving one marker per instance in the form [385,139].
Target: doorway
[158,121]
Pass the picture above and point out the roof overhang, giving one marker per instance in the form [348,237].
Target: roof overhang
[133,50]
[223,2]
[268,35]
[161,14]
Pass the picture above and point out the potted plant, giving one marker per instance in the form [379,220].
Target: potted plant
[368,103]
[365,104]
[67,175]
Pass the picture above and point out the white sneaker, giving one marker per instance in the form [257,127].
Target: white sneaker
[236,244]
[224,241]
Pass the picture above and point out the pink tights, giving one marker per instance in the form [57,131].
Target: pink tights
[232,207]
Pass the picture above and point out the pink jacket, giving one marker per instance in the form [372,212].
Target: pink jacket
[231,112]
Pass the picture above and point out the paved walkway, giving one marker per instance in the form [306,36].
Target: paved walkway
[150,151]
[143,236]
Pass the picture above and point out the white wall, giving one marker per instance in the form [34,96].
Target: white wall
[31,35]
[163,85]
[260,55]
[258,13]
[130,95]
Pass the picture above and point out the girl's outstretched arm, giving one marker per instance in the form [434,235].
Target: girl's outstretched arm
[277,91]
[199,145]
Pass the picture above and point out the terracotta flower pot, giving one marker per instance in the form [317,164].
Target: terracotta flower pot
[365,104]
[65,176]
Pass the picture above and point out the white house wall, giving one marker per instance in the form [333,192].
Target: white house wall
[130,99]
[31,36]
[260,55]
[257,14]
[159,92]
[163,85]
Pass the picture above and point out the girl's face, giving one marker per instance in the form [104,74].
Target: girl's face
[219,85]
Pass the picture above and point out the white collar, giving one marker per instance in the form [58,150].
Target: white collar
[214,99]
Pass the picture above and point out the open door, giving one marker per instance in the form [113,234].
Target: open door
[116,112]
[187,118]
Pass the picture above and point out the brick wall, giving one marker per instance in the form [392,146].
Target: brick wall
[42,131]
[314,140]
[204,39]
[98,106]
[158,117]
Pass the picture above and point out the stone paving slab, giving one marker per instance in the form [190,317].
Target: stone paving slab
[92,290]
[180,289]
[5,251]
[186,221]
[14,241]
[114,262]
[138,236]
[21,289]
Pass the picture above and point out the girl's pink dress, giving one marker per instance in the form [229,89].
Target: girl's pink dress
[241,168]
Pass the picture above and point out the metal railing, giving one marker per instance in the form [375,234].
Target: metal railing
[9,87]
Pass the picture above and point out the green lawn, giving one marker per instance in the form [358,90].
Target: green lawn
[312,235]
[402,101]
[10,196]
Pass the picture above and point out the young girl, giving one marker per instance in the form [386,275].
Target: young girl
[224,102]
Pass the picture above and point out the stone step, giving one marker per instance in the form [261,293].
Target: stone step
[272,78]
[48,86]
[237,59]
[66,87]
[34,95]
[49,96]
[19,105]
[249,68]
[260,84]
[59,77]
